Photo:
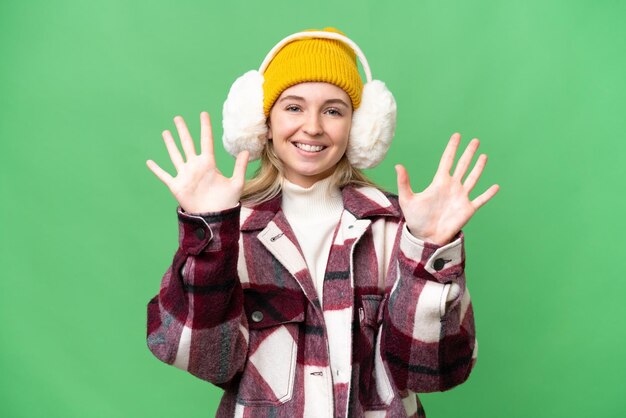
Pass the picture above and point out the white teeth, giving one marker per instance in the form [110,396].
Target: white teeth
[309,148]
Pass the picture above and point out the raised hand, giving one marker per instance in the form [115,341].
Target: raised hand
[199,186]
[439,212]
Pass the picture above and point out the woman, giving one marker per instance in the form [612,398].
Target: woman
[308,291]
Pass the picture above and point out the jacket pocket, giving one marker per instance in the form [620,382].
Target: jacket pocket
[376,391]
[274,319]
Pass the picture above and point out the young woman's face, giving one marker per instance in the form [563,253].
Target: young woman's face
[309,126]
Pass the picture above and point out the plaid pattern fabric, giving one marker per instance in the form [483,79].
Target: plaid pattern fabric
[238,308]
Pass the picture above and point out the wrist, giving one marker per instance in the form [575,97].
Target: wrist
[433,239]
[205,210]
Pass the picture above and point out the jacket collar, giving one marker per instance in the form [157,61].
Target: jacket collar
[362,202]
[368,202]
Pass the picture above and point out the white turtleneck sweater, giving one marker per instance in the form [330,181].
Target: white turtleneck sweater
[313,214]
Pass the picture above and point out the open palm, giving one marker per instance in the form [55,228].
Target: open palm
[199,186]
[439,212]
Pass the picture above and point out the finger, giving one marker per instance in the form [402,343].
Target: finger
[159,172]
[474,175]
[486,196]
[206,137]
[172,150]
[404,185]
[465,160]
[185,138]
[241,163]
[447,158]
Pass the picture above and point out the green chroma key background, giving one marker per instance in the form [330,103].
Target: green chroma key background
[87,231]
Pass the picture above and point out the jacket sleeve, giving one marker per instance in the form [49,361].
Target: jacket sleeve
[197,321]
[428,335]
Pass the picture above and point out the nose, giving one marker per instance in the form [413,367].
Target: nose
[313,125]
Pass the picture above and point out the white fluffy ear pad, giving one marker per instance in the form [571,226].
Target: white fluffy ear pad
[242,116]
[373,126]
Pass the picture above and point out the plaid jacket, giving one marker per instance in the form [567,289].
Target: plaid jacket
[238,308]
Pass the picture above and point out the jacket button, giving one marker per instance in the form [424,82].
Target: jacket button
[439,263]
[257,316]
[199,233]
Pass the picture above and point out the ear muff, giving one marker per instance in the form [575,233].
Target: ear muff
[373,123]
[243,119]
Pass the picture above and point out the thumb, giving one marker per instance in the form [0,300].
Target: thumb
[404,186]
[241,163]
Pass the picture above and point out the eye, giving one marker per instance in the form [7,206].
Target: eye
[333,112]
[292,108]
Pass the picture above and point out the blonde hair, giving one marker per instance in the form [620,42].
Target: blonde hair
[268,179]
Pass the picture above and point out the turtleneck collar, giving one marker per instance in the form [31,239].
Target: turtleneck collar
[320,201]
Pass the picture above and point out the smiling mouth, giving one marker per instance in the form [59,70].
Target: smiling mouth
[309,148]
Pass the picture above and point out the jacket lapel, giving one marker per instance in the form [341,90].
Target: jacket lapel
[279,239]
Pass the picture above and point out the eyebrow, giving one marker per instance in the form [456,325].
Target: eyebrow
[293,97]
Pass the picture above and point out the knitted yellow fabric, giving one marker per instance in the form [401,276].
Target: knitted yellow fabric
[313,59]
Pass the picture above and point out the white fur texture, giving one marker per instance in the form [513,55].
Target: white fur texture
[373,126]
[243,118]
